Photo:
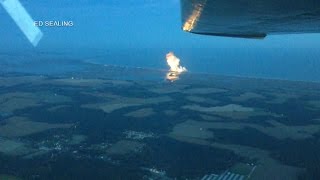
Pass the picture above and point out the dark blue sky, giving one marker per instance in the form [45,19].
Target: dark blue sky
[129,24]
[156,25]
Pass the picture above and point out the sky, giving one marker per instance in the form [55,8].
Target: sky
[155,26]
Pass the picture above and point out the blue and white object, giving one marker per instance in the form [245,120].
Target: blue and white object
[24,21]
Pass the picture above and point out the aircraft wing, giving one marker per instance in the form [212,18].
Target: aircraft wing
[250,18]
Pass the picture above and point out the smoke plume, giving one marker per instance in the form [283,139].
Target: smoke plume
[174,63]
[175,68]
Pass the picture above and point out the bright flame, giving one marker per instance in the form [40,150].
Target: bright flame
[194,17]
[172,76]
[174,63]
[175,68]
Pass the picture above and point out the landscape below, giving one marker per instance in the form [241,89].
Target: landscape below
[110,122]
